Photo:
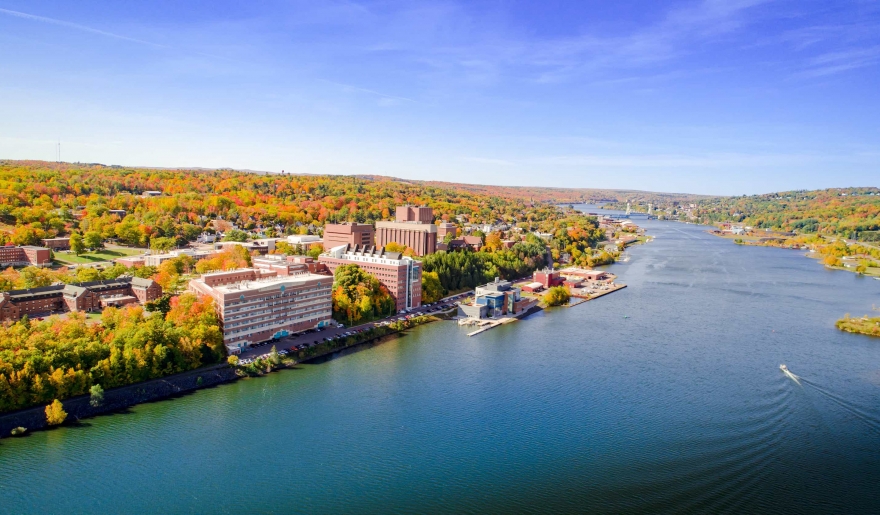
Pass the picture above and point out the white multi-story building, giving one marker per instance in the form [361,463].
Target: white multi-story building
[258,305]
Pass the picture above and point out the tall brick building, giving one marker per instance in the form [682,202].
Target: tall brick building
[348,233]
[413,227]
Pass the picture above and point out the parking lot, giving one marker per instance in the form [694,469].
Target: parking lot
[313,337]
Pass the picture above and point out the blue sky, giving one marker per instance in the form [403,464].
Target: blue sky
[719,97]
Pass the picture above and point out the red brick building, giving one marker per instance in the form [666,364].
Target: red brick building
[348,233]
[548,278]
[90,296]
[57,243]
[11,255]
[413,227]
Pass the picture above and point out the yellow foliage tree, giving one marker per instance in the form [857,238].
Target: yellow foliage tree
[55,413]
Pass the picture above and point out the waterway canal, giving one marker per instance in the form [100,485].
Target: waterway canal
[680,407]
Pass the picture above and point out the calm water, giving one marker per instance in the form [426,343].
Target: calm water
[679,408]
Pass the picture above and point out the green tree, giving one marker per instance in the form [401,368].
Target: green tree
[274,358]
[97,395]
[76,244]
[161,305]
[235,235]
[55,413]
[162,244]
[93,240]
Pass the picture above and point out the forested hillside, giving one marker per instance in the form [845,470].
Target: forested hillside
[40,199]
[849,212]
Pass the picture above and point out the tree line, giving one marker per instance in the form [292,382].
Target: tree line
[63,357]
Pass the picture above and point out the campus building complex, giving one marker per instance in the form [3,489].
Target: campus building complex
[349,233]
[258,304]
[413,227]
[90,296]
[401,275]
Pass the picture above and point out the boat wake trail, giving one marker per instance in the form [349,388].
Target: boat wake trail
[872,421]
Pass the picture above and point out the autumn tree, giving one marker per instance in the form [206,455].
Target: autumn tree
[55,413]
[432,290]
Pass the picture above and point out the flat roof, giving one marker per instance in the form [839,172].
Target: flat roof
[268,282]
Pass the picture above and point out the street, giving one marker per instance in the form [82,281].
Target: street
[315,336]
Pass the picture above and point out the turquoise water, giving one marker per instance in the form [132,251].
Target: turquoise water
[679,408]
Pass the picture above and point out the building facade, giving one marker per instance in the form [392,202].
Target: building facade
[90,296]
[57,243]
[446,228]
[401,275]
[349,233]
[257,305]
[158,259]
[413,227]
[494,300]
[24,256]
[548,278]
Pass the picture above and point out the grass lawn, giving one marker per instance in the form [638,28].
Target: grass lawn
[70,258]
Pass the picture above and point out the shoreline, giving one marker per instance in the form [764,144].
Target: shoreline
[120,399]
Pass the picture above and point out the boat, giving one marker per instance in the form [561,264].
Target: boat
[788,373]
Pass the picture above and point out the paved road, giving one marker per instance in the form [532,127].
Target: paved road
[318,336]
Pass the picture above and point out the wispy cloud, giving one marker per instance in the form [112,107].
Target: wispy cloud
[385,100]
[831,63]
[76,26]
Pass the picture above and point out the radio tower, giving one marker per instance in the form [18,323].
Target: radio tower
[58,151]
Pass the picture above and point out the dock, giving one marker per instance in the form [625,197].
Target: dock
[587,297]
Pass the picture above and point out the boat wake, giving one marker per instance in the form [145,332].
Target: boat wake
[871,420]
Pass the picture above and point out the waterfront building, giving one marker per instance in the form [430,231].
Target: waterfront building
[413,227]
[348,233]
[533,287]
[255,305]
[57,243]
[401,275]
[88,296]
[26,255]
[574,273]
[495,299]
[548,278]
